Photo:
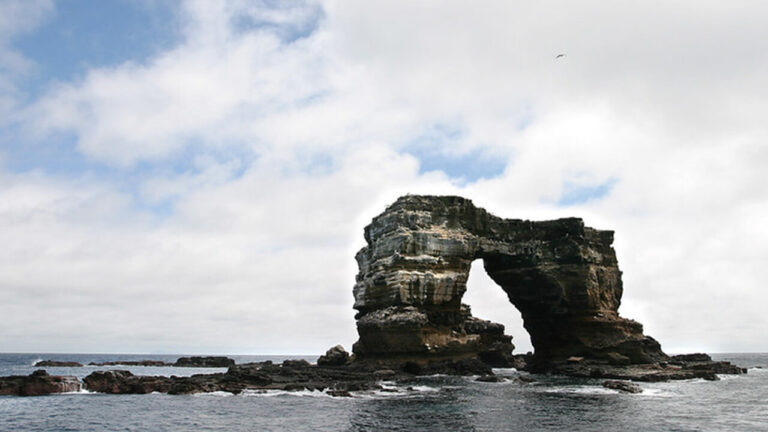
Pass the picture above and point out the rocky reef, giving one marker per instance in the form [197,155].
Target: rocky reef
[39,383]
[341,378]
[561,275]
[194,361]
[291,375]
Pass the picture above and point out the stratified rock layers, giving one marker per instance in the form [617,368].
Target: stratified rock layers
[561,275]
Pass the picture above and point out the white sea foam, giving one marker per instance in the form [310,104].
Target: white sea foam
[581,390]
[400,392]
[725,377]
[215,393]
[587,390]
[379,394]
[505,371]
[35,361]
[695,381]
[275,393]
[388,385]
[656,392]
[423,388]
[82,391]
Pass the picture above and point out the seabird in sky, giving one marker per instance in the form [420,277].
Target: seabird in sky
[559,56]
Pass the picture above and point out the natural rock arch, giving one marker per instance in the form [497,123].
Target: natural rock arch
[561,275]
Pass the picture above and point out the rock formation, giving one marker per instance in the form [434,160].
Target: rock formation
[37,384]
[209,362]
[57,363]
[336,356]
[561,275]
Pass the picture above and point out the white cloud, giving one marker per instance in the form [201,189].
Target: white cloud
[296,143]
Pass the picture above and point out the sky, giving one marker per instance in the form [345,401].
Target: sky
[195,176]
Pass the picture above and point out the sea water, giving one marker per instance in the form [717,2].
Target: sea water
[432,403]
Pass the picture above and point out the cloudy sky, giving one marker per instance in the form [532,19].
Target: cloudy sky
[195,176]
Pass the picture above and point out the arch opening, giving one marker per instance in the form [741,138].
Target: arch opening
[488,301]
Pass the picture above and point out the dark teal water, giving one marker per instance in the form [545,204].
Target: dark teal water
[438,403]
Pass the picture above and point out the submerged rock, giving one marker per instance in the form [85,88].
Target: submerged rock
[527,379]
[37,384]
[490,378]
[623,386]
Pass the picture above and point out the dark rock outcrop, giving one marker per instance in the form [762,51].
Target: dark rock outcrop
[56,363]
[684,358]
[490,378]
[209,361]
[154,363]
[37,384]
[336,356]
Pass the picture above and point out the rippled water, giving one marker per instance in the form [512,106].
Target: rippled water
[437,403]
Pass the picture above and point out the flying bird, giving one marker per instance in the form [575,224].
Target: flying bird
[559,56]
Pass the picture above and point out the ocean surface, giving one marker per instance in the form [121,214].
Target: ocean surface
[433,403]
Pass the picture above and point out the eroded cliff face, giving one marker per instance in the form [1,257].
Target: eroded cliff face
[561,275]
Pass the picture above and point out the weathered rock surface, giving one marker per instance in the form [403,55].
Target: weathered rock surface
[37,384]
[56,363]
[623,386]
[561,275]
[336,356]
[209,361]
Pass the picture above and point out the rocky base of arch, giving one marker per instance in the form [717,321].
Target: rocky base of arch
[403,334]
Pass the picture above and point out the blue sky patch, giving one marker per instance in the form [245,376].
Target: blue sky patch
[469,167]
[574,193]
[432,151]
[287,32]
[83,34]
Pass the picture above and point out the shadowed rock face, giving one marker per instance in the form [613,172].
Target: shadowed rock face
[561,275]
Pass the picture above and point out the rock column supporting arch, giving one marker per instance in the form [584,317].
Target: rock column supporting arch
[561,275]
